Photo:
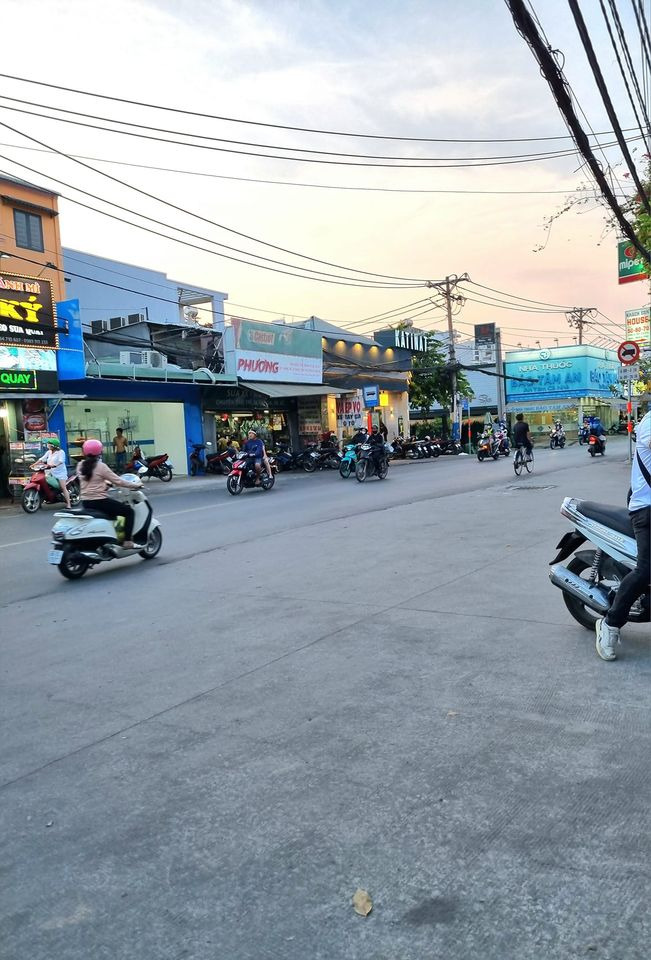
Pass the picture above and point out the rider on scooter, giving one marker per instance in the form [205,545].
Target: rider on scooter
[377,446]
[93,477]
[54,461]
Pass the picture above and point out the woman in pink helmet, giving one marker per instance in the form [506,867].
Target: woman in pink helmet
[93,476]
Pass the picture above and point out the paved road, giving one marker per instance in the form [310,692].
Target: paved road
[329,686]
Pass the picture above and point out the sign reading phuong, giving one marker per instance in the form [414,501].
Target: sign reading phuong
[26,312]
[565,372]
[273,351]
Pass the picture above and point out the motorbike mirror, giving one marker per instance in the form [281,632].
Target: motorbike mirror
[208,443]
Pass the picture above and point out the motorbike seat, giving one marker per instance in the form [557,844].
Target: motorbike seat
[617,518]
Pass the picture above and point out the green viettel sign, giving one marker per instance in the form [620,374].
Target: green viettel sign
[631,264]
[18,379]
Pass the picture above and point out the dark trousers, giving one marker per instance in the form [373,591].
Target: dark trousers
[634,584]
[113,509]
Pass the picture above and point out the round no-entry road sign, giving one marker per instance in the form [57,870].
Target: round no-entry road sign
[628,352]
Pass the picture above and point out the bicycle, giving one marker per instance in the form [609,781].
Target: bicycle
[522,460]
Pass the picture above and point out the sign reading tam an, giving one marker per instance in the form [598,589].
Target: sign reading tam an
[631,264]
[275,351]
[26,312]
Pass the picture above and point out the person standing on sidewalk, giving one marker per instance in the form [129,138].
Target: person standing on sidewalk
[634,583]
[120,448]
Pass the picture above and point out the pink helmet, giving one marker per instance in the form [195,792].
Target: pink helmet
[92,448]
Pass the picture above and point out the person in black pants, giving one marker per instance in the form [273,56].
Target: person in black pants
[637,581]
[94,476]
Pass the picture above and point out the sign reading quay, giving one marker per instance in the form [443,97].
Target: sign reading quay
[18,379]
[628,352]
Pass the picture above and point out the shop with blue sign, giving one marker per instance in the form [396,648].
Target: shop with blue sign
[563,383]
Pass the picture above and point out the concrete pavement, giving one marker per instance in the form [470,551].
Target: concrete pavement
[329,686]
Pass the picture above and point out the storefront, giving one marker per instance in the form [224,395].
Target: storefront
[563,383]
[28,373]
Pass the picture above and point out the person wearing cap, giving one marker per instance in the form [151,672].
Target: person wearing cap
[54,461]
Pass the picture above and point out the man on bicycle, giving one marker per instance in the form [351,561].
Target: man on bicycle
[522,435]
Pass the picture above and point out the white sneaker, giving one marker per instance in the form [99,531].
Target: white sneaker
[607,639]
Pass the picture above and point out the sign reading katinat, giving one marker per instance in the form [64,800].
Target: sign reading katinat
[407,338]
[275,351]
[27,317]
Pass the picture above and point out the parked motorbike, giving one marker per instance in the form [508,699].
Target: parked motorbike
[348,460]
[286,459]
[159,466]
[38,491]
[399,448]
[433,447]
[597,444]
[591,578]
[315,457]
[221,461]
[198,458]
[488,447]
[556,439]
[82,540]
[365,466]
[450,447]
[243,475]
[584,435]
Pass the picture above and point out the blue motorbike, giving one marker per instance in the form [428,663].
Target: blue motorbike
[348,461]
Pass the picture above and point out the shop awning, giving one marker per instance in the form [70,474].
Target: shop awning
[280,390]
[35,395]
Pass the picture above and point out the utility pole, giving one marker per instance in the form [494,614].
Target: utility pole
[576,317]
[446,289]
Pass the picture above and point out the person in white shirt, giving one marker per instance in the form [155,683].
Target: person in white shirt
[55,461]
[633,585]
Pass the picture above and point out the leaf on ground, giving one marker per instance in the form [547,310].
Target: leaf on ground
[362,903]
[453,713]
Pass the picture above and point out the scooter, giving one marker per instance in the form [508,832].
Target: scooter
[221,462]
[591,578]
[82,540]
[243,475]
[488,447]
[366,466]
[159,466]
[38,491]
[596,444]
[556,439]
[348,461]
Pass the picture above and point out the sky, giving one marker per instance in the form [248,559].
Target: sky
[410,69]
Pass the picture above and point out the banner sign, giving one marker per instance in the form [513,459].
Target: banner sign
[638,325]
[406,338]
[27,317]
[350,414]
[484,333]
[630,263]
[273,351]
[563,372]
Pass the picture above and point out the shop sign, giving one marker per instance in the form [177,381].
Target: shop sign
[18,379]
[631,264]
[561,375]
[273,351]
[27,317]
[638,325]
[350,413]
[407,338]
[371,396]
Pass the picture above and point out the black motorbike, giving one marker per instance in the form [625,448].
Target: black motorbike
[286,459]
[316,457]
[556,440]
[450,447]
[366,464]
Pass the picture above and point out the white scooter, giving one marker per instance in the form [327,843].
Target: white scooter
[82,540]
[591,578]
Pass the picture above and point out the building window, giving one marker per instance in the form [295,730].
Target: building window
[29,230]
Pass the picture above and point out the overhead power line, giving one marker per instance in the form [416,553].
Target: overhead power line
[281,126]
[554,77]
[415,164]
[197,216]
[298,183]
[605,96]
[623,73]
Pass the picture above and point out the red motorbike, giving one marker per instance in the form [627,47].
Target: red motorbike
[159,466]
[38,491]
[221,462]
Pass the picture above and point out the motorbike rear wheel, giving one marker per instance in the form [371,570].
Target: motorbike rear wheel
[234,485]
[309,465]
[345,469]
[164,473]
[360,471]
[73,565]
[31,501]
[582,614]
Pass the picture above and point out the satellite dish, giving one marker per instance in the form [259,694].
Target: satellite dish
[190,313]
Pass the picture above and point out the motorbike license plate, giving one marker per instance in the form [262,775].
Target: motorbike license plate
[315,455]
[54,556]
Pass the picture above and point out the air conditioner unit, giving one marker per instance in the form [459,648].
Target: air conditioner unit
[143,358]
[116,322]
[134,318]
[98,326]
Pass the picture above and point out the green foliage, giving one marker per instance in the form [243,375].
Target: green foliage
[431,378]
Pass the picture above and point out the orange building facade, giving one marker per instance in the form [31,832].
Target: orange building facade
[29,233]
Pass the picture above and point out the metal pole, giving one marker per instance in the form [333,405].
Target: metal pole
[452,356]
[500,382]
[629,425]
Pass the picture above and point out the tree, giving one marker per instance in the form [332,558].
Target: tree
[431,378]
